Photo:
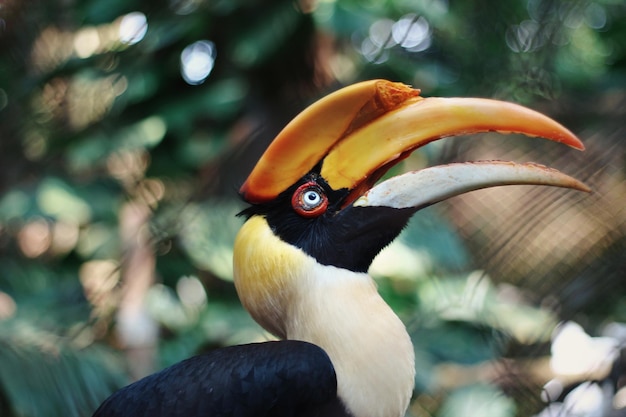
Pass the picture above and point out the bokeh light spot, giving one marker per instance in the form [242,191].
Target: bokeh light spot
[34,238]
[595,16]
[412,32]
[197,61]
[191,292]
[525,37]
[380,33]
[86,42]
[133,28]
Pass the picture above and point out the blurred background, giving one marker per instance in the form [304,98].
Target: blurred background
[127,126]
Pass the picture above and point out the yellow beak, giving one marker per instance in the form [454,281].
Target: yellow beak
[360,131]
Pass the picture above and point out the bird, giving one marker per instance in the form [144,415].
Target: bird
[318,212]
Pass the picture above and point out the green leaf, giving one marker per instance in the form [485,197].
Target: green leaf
[41,375]
[58,200]
[208,235]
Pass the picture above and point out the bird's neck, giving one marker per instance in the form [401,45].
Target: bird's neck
[342,312]
[293,296]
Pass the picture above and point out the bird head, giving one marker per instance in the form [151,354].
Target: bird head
[315,192]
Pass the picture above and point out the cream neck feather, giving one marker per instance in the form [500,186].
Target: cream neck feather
[342,312]
[293,296]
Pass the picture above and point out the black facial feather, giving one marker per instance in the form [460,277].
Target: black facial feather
[347,238]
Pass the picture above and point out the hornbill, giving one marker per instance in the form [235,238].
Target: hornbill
[315,221]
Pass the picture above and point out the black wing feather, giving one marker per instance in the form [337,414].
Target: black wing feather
[271,379]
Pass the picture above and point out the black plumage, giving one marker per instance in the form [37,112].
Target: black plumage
[272,379]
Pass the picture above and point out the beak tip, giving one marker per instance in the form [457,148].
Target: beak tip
[574,142]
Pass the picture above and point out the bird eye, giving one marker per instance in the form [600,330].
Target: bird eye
[309,200]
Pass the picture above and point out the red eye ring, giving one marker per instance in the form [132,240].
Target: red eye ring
[309,200]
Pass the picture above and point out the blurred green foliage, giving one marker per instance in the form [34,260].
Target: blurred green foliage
[163,107]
